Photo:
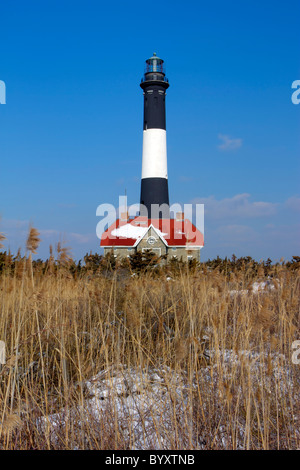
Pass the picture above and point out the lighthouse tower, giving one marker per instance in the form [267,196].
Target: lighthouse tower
[154,184]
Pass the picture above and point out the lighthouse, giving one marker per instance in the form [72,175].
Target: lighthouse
[153,229]
[154,200]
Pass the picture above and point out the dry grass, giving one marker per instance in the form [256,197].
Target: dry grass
[2,238]
[33,240]
[230,350]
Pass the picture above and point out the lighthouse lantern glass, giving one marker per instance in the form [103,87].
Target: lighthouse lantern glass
[154,64]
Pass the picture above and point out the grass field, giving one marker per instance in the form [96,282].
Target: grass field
[167,358]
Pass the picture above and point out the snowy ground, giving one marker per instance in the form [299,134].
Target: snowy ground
[151,408]
[257,287]
[146,404]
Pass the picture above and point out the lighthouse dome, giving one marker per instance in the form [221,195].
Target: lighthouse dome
[154,64]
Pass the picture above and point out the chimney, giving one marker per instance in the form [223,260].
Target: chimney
[124,216]
[179,216]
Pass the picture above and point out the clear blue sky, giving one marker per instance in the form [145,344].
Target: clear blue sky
[71,128]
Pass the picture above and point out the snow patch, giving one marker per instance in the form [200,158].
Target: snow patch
[133,231]
[256,288]
[145,403]
[129,231]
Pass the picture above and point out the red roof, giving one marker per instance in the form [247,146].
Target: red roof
[173,232]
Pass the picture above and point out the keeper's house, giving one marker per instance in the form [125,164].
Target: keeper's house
[176,238]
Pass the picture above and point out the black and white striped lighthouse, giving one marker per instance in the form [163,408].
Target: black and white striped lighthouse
[154,185]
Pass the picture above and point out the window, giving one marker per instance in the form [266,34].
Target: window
[151,240]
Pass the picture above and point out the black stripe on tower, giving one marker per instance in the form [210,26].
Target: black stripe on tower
[154,184]
[155,191]
[154,107]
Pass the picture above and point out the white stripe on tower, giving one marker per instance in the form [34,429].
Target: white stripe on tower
[154,154]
